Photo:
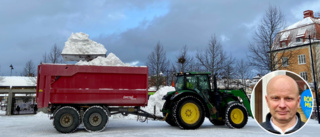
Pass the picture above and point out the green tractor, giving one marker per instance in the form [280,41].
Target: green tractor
[194,100]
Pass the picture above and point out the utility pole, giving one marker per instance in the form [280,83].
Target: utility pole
[11,69]
[314,81]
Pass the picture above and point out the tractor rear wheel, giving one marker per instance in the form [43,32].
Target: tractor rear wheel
[66,119]
[95,119]
[170,120]
[188,112]
[236,115]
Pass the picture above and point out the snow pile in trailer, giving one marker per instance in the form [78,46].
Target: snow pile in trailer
[80,44]
[154,100]
[110,60]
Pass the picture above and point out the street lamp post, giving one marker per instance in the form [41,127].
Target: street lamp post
[11,69]
[314,81]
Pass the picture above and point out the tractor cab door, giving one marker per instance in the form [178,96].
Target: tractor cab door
[200,84]
[204,86]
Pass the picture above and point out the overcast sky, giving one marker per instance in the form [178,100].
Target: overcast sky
[131,28]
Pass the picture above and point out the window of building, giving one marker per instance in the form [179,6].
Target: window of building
[300,39]
[302,59]
[283,44]
[304,75]
[284,61]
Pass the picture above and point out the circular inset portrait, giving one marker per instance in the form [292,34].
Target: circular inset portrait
[281,102]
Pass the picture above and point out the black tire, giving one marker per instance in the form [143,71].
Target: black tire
[170,120]
[236,115]
[95,119]
[66,119]
[188,112]
[218,122]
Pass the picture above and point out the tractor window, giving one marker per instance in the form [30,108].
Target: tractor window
[191,82]
[203,82]
[179,83]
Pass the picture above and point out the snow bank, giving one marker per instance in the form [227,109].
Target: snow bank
[154,100]
[80,44]
[41,114]
[110,60]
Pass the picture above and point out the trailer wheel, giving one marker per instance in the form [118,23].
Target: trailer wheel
[66,119]
[95,119]
[170,120]
[218,122]
[188,113]
[236,116]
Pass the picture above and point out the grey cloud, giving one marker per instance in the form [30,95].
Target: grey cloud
[30,28]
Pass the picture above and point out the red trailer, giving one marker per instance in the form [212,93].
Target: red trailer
[89,94]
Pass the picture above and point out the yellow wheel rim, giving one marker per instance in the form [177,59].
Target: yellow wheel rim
[190,113]
[236,116]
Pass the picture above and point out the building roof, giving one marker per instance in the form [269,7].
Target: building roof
[17,81]
[309,25]
[304,22]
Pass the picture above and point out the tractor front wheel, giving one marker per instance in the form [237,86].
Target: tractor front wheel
[188,112]
[236,115]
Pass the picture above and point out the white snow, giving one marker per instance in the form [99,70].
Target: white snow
[39,125]
[79,43]
[154,100]
[284,35]
[301,32]
[153,88]
[17,81]
[305,21]
[80,48]
[110,60]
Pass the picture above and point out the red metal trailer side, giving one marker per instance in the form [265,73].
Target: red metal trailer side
[78,84]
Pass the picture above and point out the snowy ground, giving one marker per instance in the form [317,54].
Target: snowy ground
[40,125]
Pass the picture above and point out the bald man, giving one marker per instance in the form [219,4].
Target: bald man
[283,100]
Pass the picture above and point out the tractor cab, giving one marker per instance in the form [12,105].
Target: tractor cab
[195,81]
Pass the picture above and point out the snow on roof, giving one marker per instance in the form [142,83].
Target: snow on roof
[304,22]
[79,43]
[284,35]
[110,60]
[18,81]
[302,28]
[301,32]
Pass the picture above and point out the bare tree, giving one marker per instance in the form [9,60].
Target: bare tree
[228,72]
[158,63]
[243,72]
[270,25]
[213,58]
[173,70]
[184,60]
[54,55]
[45,58]
[29,69]
[195,67]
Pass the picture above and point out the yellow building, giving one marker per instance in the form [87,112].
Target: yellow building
[291,47]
